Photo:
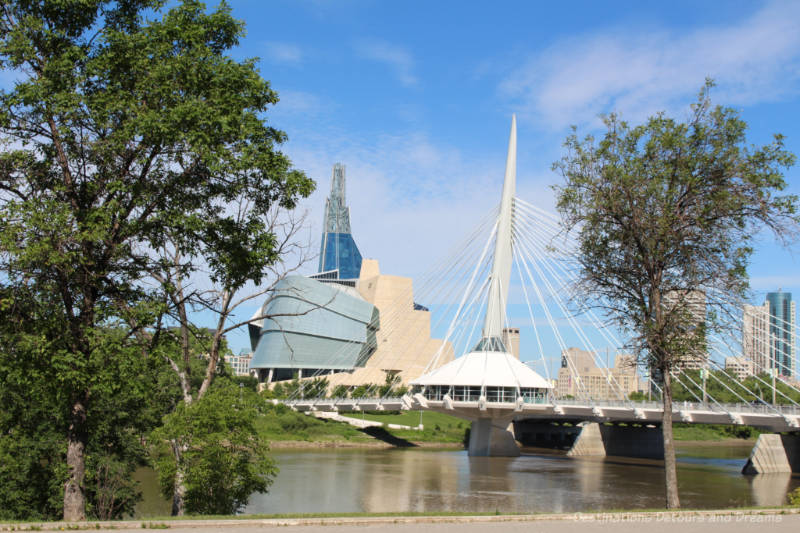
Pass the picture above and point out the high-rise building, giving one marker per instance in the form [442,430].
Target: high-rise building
[781,331]
[695,303]
[338,251]
[240,364]
[580,377]
[741,367]
[768,337]
[755,336]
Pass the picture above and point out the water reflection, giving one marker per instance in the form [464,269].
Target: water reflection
[424,480]
[770,489]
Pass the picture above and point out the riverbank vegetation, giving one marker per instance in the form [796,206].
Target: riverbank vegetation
[279,423]
[141,186]
[713,432]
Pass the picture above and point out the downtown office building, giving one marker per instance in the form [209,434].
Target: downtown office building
[768,334]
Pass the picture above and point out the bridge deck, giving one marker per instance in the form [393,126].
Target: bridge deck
[775,418]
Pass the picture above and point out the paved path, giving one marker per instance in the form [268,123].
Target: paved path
[734,521]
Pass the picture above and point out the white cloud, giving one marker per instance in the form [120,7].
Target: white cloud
[397,58]
[298,102]
[641,72]
[411,200]
[283,52]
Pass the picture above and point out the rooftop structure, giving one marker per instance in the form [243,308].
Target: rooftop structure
[338,251]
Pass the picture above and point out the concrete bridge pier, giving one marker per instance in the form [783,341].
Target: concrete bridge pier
[583,439]
[589,441]
[490,437]
[645,442]
[774,453]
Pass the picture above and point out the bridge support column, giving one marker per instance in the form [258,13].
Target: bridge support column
[774,453]
[618,440]
[589,441]
[490,437]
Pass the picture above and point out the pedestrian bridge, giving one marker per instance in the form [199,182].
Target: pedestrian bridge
[633,432]
[777,418]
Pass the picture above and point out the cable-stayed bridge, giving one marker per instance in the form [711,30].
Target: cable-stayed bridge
[507,400]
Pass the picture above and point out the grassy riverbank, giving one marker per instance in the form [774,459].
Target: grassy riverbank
[711,433]
[281,424]
[437,427]
[289,429]
[285,428]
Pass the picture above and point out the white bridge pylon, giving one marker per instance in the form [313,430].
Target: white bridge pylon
[489,374]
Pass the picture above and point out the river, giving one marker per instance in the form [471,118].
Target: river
[424,480]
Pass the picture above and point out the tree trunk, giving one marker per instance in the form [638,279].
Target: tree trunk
[670,470]
[179,488]
[74,491]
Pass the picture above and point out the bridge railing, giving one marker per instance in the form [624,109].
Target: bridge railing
[347,401]
[759,408]
[756,408]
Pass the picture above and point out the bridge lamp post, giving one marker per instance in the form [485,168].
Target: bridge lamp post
[704,377]
[774,372]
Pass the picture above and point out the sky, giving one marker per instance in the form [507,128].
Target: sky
[416,98]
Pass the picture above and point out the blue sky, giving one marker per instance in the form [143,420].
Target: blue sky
[415,98]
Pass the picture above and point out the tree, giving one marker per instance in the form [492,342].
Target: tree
[225,459]
[664,213]
[128,401]
[123,134]
[205,277]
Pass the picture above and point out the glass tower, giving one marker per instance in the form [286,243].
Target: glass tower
[338,250]
[781,331]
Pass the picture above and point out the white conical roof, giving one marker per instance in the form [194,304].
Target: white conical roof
[492,369]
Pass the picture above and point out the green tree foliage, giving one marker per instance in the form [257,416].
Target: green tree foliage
[129,131]
[340,391]
[637,396]
[130,393]
[277,391]
[224,459]
[315,388]
[364,391]
[663,212]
